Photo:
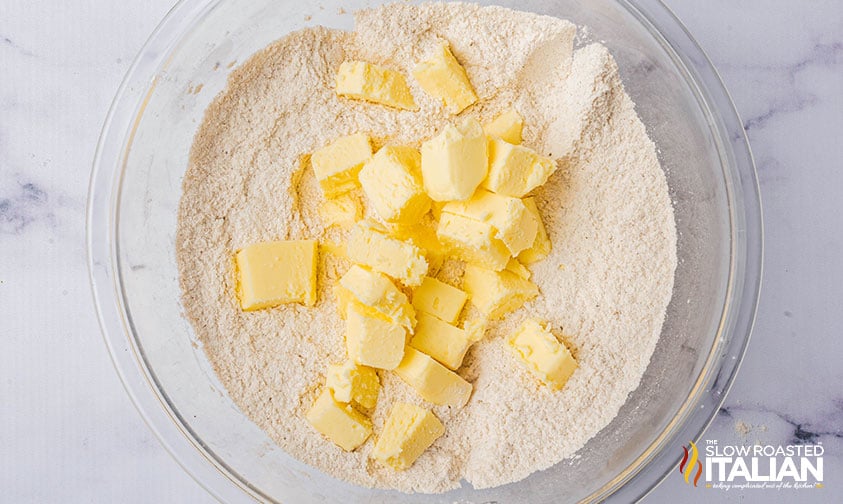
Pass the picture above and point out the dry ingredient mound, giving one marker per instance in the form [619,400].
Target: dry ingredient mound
[605,286]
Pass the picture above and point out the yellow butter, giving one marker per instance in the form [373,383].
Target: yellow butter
[444,78]
[433,381]
[337,164]
[353,383]
[496,293]
[454,162]
[472,241]
[519,269]
[442,341]
[475,329]
[340,423]
[337,249]
[377,292]
[513,223]
[272,273]
[423,235]
[393,184]
[439,299]
[373,341]
[343,211]
[370,245]
[436,208]
[366,81]
[409,430]
[543,354]
[515,170]
[541,245]
[507,126]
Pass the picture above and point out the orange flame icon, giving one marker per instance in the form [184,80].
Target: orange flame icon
[686,467]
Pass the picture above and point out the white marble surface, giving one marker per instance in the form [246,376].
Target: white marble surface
[68,432]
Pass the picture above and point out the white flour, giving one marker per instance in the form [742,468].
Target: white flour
[605,285]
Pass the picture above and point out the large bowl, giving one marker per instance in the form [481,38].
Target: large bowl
[135,190]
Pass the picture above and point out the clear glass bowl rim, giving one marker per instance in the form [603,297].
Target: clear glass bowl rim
[632,484]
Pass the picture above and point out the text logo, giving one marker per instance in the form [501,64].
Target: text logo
[758,466]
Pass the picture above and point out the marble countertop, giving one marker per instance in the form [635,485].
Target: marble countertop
[68,431]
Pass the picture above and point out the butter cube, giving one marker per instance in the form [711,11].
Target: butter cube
[340,423]
[496,293]
[475,329]
[377,295]
[392,182]
[423,235]
[507,126]
[337,164]
[543,354]
[337,249]
[541,245]
[441,340]
[272,273]
[352,383]
[514,225]
[433,381]
[373,341]
[439,299]
[515,170]
[366,81]
[519,269]
[409,430]
[454,162]
[343,210]
[472,241]
[443,77]
[370,246]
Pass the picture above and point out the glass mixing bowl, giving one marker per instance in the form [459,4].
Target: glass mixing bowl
[135,190]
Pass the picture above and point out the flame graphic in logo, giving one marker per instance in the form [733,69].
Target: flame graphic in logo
[686,467]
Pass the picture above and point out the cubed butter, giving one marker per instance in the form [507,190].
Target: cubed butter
[444,78]
[341,423]
[353,383]
[442,341]
[377,294]
[433,381]
[337,164]
[409,430]
[365,81]
[507,126]
[514,224]
[519,269]
[273,273]
[373,341]
[423,235]
[475,329]
[439,299]
[515,170]
[543,354]
[393,184]
[472,241]
[343,211]
[541,245]
[496,293]
[454,162]
[370,246]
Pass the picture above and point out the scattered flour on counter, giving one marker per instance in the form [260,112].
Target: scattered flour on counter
[605,285]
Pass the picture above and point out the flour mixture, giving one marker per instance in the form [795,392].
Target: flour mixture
[604,286]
